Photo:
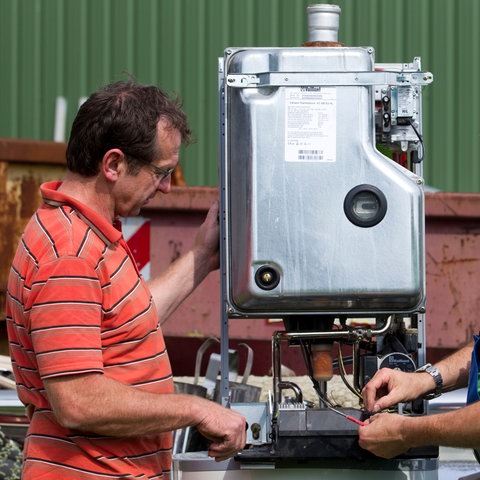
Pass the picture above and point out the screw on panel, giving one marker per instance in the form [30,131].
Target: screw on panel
[256,428]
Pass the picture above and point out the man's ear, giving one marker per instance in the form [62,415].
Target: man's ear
[113,164]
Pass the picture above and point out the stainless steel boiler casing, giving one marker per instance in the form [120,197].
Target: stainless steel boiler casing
[299,175]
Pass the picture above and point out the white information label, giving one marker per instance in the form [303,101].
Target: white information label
[310,124]
[405,102]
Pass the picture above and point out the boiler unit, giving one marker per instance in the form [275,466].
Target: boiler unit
[322,226]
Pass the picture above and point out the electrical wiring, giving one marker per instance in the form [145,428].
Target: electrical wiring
[420,138]
[343,373]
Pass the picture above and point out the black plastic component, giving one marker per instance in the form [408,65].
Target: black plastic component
[365,205]
[267,277]
[398,361]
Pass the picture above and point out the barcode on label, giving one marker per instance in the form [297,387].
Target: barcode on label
[316,155]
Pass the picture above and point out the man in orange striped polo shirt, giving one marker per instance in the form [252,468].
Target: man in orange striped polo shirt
[87,350]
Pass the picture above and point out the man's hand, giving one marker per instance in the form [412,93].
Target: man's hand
[225,428]
[208,236]
[384,435]
[389,387]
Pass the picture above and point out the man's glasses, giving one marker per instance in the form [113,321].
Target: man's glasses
[161,173]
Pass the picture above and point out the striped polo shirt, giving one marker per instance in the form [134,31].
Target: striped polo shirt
[77,303]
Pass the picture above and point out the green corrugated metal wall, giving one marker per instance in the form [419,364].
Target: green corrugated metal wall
[51,48]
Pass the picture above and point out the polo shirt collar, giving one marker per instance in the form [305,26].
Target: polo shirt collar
[104,229]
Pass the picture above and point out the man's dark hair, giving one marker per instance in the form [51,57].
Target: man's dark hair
[122,115]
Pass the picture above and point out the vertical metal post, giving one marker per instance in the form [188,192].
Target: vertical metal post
[224,336]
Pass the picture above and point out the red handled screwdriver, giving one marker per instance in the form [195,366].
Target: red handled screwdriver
[348,417]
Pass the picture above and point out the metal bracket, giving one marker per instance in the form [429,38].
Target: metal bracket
[296,79]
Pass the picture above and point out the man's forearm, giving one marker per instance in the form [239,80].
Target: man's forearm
[455,368]
[457,428]
[178,281]
[97,404]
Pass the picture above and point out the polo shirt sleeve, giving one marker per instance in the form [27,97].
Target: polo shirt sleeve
[65,318]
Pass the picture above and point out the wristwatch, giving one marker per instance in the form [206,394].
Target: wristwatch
[429,368]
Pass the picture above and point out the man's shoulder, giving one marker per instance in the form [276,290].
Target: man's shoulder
[58,232]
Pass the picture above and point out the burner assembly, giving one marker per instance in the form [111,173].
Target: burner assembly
[322,226]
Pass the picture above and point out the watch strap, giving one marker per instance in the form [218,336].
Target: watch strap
[437,377]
